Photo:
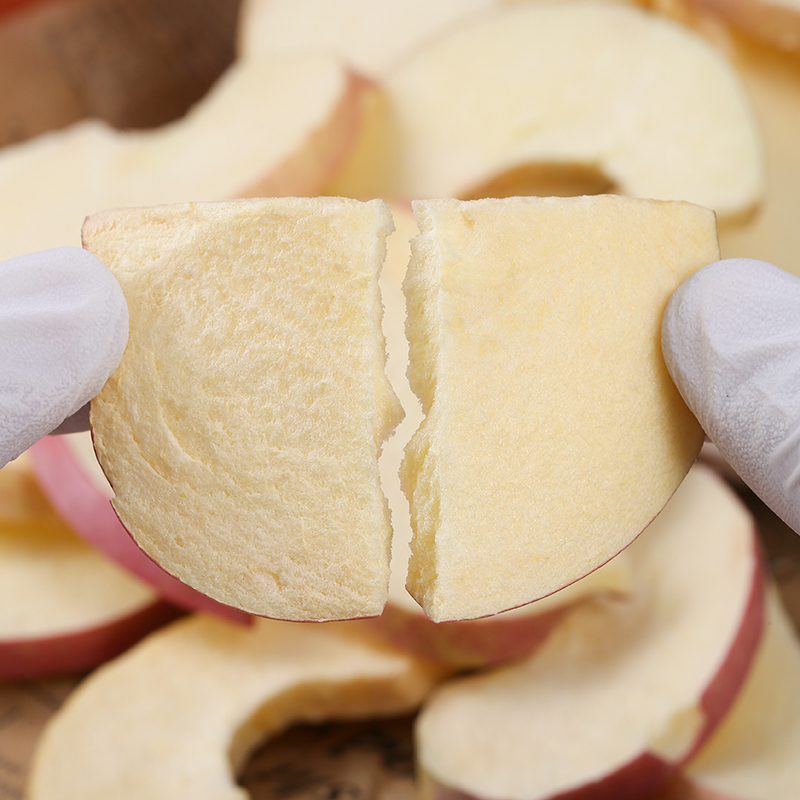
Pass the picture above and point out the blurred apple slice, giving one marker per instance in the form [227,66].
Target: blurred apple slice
[63,606]
[776,22]
[67,471]
[178,715]
[623,692]
[772,80]
[461,644]
[598,87]
[272,127]
[371,37]
[753,754]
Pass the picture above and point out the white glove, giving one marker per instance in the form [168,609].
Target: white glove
[731,340]
[63,328]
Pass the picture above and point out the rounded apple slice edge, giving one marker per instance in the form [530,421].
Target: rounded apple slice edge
[88,511]
[623,693]
[179,714]
[64,607]
[660,113]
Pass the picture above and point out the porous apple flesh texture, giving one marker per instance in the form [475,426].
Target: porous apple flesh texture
[553,433]
[614,681]
[51,582]
[753,754]
[613,577]
[179,714]
[242,429]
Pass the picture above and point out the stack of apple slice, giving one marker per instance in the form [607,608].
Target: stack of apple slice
[268,127]
[602,87]
[178,715]
[63,606]
[623,692]
[753,753]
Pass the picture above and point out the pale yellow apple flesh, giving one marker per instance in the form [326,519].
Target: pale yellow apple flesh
[268,127]
[63,606]
[178,715]
[553,433]
[242,429]
[371,37]
[624,691]
[606,87]
[464,643]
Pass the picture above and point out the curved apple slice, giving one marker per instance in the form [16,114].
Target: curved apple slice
[461,644]
[180,713]
[73,482]
[595,86]
[63,606]
[753,753]
[367,35]
[774,21]
[270,127]
[622,693]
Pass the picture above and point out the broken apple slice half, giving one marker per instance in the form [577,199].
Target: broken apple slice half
[553,433]
[625,691]
[178,715]
[242,429]
[270,127]
[68,474]
[63,606]
[461,644]
[601,87]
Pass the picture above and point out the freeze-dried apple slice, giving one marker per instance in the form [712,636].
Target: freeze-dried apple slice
[271,127]
[599,86]
[178,715]
[753,753]
[67,471]
[241,431]
[462,643]
[63,606]
[623,692]
[553,432]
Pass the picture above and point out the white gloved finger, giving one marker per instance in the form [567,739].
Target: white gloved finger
[731,340]
[63,328]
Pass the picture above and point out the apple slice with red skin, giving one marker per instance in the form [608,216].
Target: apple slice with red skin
[753,753]
[73,485]
[623,693]
[63,606]
[178,715]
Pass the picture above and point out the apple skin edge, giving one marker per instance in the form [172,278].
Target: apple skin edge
[309,170]
[464,644]
[640,778]
[83,650]
[81,505]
